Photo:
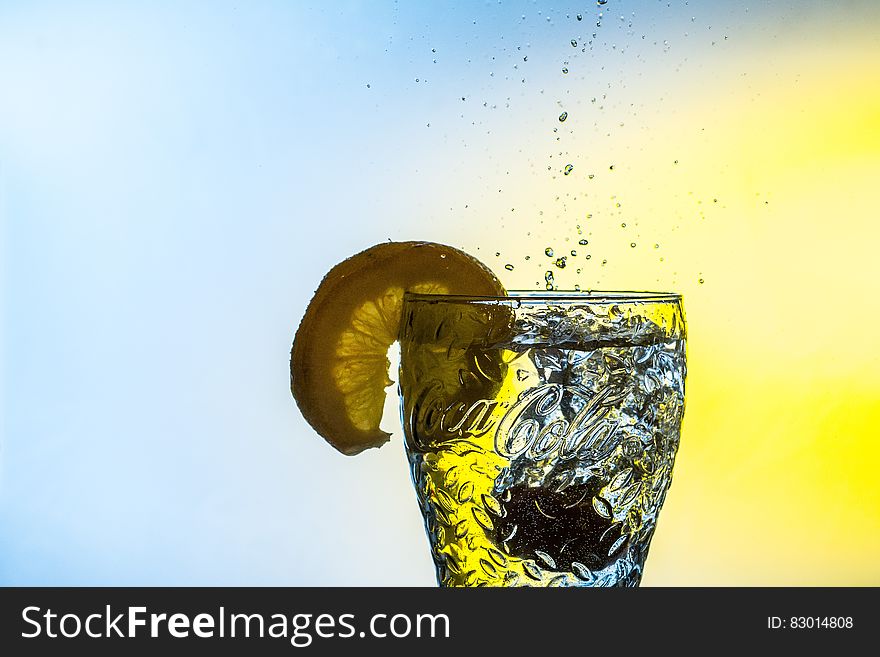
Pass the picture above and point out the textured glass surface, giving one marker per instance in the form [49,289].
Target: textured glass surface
[541,432]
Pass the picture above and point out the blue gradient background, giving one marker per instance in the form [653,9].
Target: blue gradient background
[175,179]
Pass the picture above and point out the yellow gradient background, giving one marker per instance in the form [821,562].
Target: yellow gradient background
[774,202]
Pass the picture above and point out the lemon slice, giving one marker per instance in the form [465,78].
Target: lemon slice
[339,364]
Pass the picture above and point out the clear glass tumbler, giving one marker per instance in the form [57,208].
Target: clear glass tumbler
[541,430]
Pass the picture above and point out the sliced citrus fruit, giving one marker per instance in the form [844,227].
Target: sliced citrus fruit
[339,364]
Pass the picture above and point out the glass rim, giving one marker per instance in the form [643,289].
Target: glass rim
[550,296]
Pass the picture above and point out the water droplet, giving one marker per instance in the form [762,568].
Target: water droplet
[483,519]
[528,257]
[508,267]
[531,569]
[548,252]
[522,375]
[656,246]
[368,86]
[581,571]
[568,169]
[623,225]
[577,288]
[579,17]
[601,2]
[565,70]
[560,262]
[546,558]
[583,242]
[573,252]
[548,278]
[588,256]
[602,507]
[591,176]
[497,253]
[632,245]
[563,116]
[701,281]
[574,44]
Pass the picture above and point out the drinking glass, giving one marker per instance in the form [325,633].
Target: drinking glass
[541,430]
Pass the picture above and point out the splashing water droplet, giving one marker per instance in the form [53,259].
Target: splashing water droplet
[568,169]
[560,262]
[563,116]
[548,278]
[548,252]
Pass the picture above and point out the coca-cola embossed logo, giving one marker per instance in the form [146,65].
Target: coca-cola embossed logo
[570,421]
[433,420]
